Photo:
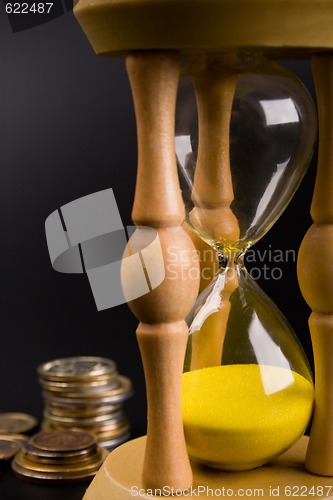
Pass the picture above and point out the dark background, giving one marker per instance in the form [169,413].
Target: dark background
[67,130]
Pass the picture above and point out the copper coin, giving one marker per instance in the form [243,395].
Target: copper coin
[62,440]
[50,456]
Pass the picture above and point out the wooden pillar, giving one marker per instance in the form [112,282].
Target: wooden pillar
[212,186]
[162,333]
[315,273]
[212,196]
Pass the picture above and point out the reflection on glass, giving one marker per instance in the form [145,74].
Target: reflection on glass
[279,111]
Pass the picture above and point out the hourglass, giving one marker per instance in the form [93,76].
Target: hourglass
[236,179]
[242,151]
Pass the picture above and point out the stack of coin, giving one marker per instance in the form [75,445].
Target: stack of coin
[86,393]
[60,456]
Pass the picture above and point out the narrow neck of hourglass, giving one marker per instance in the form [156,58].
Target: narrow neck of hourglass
[231,257]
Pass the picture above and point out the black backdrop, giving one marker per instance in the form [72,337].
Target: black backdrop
[67,130]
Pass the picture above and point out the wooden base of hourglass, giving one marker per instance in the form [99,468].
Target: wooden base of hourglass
[120,478]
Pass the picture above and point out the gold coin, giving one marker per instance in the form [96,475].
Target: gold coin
[77,368]
[59,476]
[108,395]
[111,424]
[108,425]
[8,448]
[64,468]
[85,422]
[61,460]
[80,411]
[101,434]
[108,434]
[50,456]
[62,440]
[100,385]
[111,444]
[16,423]
[49,397]
[14,437]
[79,391]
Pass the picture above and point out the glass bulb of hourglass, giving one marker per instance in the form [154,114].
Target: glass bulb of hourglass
[272,132]
[247,386]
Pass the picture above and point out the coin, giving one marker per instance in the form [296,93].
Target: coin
[79,390]
[65,440]
[16,423]
[51,456]
[8,448]
[59,467]
[85,421]
[58,476]
[56,459]
[108,434]
[80,411]
[77,368]
[113,443]
[114,396]
[100,385]
[59,456]
[14,437]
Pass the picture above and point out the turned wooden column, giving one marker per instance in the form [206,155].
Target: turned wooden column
[212,196]
[315,272]
[162,333]
[212,186]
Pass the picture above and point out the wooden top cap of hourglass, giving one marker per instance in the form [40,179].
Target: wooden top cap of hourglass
[283,28]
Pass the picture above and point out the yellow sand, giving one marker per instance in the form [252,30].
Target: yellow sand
[237,417]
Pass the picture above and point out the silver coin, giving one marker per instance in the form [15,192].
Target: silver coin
[77,368]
